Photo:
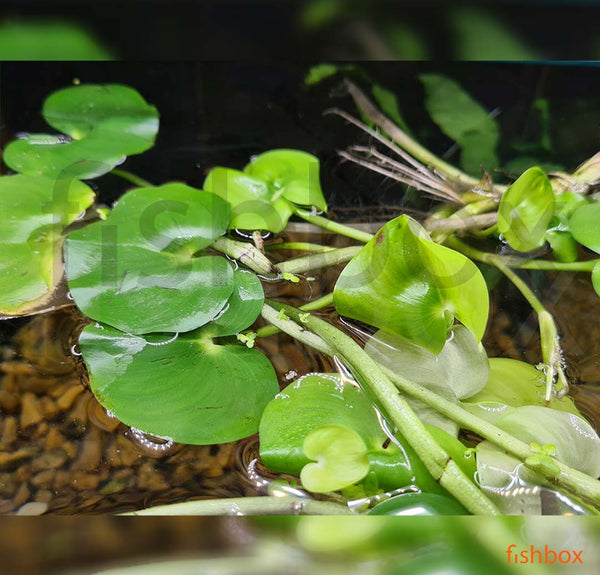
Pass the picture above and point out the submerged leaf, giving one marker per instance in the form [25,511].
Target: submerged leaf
[35,212]
[525,211]
[513,383]
[142,258]
[405,284]
[186,388]
[464,120]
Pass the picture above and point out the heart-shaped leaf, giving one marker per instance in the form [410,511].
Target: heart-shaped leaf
[341,459]
[188,389]
[513,383]
[253,203]
[293,174]
[405,284]
[34,212]
[525,210]
[142,258]
[107,122]
[318,400]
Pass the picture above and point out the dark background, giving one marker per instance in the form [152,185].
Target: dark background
[220,113]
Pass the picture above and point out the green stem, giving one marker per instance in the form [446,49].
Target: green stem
[318,261]
[518,262]
[316,304]
[288,505]
[399,412]
[551,353]
[575,481]
[572,480]
[300,246]
[335,227]
[132,178]
[247,254]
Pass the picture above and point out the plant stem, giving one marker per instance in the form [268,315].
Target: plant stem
[575,481]
[288,505]
[318,261]
[316,304]
[335,227]
[248,254]
[132,178]
[300,246]
[551,353]
[378,385]
[518,262]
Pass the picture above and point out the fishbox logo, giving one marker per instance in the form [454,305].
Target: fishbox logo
[533,555]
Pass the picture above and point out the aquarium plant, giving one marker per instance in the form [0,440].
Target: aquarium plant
[171,296]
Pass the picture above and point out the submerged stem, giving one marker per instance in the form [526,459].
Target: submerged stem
[300,246]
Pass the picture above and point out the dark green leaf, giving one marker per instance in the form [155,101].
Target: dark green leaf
[464,120]
[188,389]
[243,307]
[525,211]
[142,258]
[34,212]
[388,102]
[405,284]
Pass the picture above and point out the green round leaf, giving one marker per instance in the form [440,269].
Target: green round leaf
[35,212]
[525,210]
[107,122]
[142,258]
[319,400]
[253,203]
[292,174]
[242,308]
[52,157]
[189,389]
[341,459]
[80,111]
[584,226]
[405,284]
